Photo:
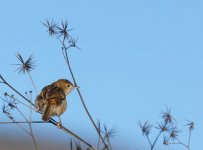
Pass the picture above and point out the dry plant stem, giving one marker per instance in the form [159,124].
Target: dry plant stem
[23,122]
[31,132]
[32,135]
[179,141]
[98,144]
[22,114]
[190,132]
[150,143]
[51,119]
[20,102]
[30,127]
[30,124]
[76,136]
[154,143]
[64,49]
[13,121]
[99,128]
[22,128]
[109,144]
[33,83]
[6,83]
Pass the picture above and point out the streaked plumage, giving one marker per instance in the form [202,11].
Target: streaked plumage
[52,99]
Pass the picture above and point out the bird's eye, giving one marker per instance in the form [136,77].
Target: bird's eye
[68,85]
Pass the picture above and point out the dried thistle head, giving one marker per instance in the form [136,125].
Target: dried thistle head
[112,133]
[51,27]
[6,110]
[191,125]
[25,66]
[174,133]
[63,30]
[146,128]
[73,43]
[163,127]
[12,105]
[10,100]
[166,116]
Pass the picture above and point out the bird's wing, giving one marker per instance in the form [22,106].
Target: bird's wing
[53,93]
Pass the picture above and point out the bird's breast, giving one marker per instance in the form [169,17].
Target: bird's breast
[60,109]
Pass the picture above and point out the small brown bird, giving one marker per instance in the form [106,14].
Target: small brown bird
[52,99]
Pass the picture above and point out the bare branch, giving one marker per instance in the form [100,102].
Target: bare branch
[23,122]
[82,100]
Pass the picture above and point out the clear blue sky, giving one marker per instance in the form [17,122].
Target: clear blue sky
[136,58]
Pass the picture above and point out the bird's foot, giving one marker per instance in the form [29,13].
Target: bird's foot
[59,125]
[37,109]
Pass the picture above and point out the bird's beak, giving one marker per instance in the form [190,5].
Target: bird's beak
[76,87]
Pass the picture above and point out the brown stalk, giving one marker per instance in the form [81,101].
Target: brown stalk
[22,122]
[29,122]
[65,55]
[33,83]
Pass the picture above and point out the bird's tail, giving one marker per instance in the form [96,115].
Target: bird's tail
[47,113]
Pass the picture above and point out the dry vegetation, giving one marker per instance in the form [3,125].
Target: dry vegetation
[61,32]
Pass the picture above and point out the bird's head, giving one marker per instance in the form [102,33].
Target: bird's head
[66,85]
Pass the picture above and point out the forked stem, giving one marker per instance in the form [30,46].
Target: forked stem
[65,55]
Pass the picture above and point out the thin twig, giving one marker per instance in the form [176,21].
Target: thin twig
[30,124]
[180,142]
[150,143]
[30,127]
[109,143]
[98,143]
[99,128]
[33,83]
[190,132]
[157,137]
[23,122]
[23,128]
[22,114]
[64,49]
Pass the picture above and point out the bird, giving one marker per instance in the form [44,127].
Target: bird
[52,99]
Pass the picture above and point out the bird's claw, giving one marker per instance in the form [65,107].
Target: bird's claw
[59,125]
